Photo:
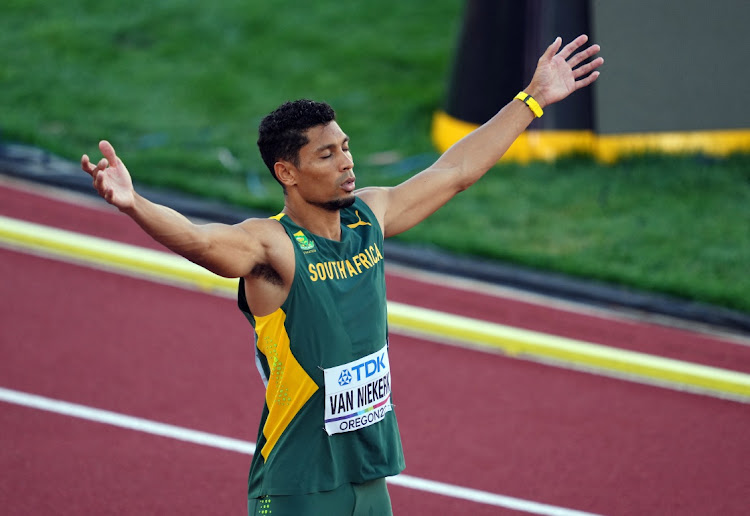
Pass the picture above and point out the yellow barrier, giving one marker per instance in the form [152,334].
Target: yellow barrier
[548,145]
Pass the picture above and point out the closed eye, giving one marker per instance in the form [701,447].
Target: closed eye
[331,149]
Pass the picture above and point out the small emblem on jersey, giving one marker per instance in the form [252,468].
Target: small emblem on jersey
[345,378]
[359,222]
[304,243]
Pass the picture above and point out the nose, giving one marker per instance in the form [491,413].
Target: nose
[347,162]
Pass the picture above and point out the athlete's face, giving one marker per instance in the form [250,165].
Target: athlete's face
[326,168]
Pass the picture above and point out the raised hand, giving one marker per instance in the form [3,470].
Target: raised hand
[558,74]
[111,178]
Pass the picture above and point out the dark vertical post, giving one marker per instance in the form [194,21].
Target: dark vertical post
[499,45]
[489,60]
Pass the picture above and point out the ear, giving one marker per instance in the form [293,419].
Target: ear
[286,172]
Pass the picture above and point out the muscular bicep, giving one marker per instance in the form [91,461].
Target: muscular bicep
[234,251]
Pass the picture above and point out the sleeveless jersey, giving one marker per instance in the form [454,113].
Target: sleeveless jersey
[335,314]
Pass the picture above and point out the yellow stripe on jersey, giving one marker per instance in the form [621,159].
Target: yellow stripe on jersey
[289,386]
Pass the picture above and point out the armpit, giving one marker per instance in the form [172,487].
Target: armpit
[266,272]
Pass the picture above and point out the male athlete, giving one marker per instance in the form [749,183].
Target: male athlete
[312,285]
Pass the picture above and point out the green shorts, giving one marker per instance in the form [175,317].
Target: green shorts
[367,499]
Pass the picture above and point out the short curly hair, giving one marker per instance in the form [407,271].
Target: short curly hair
[282,132]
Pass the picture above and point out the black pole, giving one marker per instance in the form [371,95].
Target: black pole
[498,48]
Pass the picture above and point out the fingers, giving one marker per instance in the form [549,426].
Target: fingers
[582,83]
[98,181]
[97,172]
[86,165]
[574,58]
[573,46]
[581,56]
[588,67]
[109,158]
[90,168]
[552,49]
[103,186]
[108,151]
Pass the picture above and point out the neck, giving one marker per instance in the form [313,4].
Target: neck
[317,220]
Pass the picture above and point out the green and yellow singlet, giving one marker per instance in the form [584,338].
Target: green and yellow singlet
[327,418]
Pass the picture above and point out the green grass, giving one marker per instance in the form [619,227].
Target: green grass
[673,225]
[175,85]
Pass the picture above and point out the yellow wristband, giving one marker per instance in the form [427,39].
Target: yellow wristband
[531,102]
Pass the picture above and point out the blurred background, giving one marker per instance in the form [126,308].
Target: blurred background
[643,181]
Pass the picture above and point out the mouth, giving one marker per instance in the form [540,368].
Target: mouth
[348,185]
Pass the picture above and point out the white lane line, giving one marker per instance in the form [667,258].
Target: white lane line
[121,420]
[483,497]
[246,447]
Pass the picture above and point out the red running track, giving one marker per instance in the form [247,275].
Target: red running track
[468,418]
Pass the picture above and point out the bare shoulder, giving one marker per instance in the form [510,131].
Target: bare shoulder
[269,235]
[376,198]
[262,228]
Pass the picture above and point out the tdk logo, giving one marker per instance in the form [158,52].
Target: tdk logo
[363,370]
[345,378]
[371,367]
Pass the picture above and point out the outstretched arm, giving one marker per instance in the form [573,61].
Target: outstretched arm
[229,251]
[558,74]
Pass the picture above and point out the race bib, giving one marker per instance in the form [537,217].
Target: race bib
[357,394]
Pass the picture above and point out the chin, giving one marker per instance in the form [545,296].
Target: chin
[338,204]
